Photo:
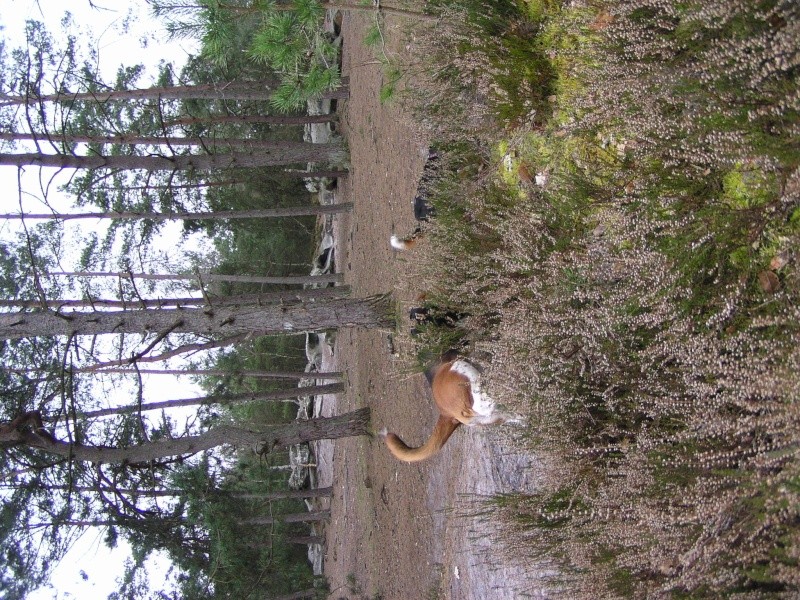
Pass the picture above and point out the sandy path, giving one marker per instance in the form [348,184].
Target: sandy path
[399,530]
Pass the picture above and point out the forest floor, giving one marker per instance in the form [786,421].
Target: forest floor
[403,530]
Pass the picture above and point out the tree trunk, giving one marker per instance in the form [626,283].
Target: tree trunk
[147,140]
[328,4]
[184,349]
[174,186]
[112,490]
[247,90]
[306,517]
[298,174]
[339,291]
[290,153]
[289,494]
[301,595]
[333,388]
[201,277]
[256,213]
[306,539]
[27,430]
[226,321]
[246,119]
[328,375]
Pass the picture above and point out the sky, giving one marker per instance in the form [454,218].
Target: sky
[90,570]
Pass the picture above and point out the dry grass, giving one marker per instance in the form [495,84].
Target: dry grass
[643,304]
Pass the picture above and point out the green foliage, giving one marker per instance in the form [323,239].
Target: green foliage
[279,42]
[287,39]
[389,88]
[293,44]
[241,560]
[374,36]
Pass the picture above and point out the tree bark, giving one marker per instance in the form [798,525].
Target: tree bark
[186,348]
[25,430]
[332,388]
[248,90]
[291,153]
[112,490]
[306,539]
[256,213]
[328,375]
[339,291]
[242,90]
[310,493]
[246,119]
[329,4]
[298,174]
[301,595]
[148,140]
[226,321]
[306,517]
[201,277]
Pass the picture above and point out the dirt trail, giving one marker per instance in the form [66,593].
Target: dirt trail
[399,530]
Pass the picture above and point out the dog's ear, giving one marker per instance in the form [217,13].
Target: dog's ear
[449,355]
[444,358]
[431,372]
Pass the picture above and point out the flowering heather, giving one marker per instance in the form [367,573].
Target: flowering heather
[629,256]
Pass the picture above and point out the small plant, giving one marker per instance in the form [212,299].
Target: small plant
[353,585]
[392,72]
[374,36]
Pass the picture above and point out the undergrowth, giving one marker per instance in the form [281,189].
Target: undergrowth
[620,217]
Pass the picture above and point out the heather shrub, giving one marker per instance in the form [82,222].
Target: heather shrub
[640,298]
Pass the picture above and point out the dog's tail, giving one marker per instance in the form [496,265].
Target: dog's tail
[407,243]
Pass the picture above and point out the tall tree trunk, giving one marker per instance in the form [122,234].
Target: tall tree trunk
[290,153]
[247,119]
[306,517]
[301,595]
[147,140]
[306,539]
[175,186]
[207,277]
[327,4]
[314,390]
[255,213]
[184,349]
[289,494]
[298,174]
[242,90]
[27,430]
[339,291]
[328,375]
[96,489]
[224,321]
[287,173]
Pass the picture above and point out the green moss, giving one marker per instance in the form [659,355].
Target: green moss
[743,189]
